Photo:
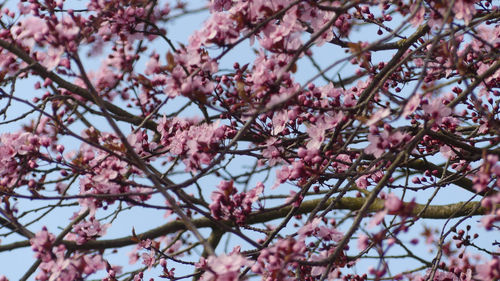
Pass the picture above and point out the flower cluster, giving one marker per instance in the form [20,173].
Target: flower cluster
[228,204]
[19,153]
[381,141]
[195,144]
[57,265]
[87,230]
[279,261]
[223,267]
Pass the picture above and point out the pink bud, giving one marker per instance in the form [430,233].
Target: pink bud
[60,148]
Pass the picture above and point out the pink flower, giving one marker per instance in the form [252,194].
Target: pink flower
[30,30]
[447,151]
[323,232]
[379,142]
[393,203]
[220,5]
[318,270]
[488,220]
[219,29]
[411,105]
[67,29]
[52,58]
[223,267]
[379,115]
[436,110]
[148,259]
[481,181]
[283,174]
[87,230]
[227,204]
[279,121]
[363,242]
[278,259]
[464,9]
[153,65]
[318,130]
[377,218]
[418,18]
[362,182]
[17,148]
[41,244]
[272,151]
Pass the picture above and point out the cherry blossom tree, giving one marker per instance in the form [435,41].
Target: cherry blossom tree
[283,140]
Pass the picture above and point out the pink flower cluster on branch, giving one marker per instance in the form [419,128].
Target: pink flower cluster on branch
[228,204]
[223,267]
[19,153]
[57,265]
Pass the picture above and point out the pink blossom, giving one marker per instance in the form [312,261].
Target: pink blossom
[343,162]
[447,151]
[363,242]
[377,218]
[418,18]
[362,182]
[412,105]
[349,100]
[195,144]
[149,258]
[385,140]
[219,5]
[319,270]
[133,256]
[283,35]
[393,203]
[87,230]
[42,244]
[57,265]
[436,110]
[283,174]
[153,65]
[378,144]
[481,181]
[30,30]
[52,58]
[379,115]
[329,91]
[279,121]
[277,259]
[294,199]
[67,29]
[219,29]
[318,21]
[224,267]
[318,130]
[272,152]
[488,220]
[323,232]
[227,204]
[17,148]
[464,9]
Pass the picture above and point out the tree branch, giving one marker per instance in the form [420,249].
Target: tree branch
[347,203]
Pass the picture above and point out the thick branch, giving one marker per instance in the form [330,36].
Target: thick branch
[348,203]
